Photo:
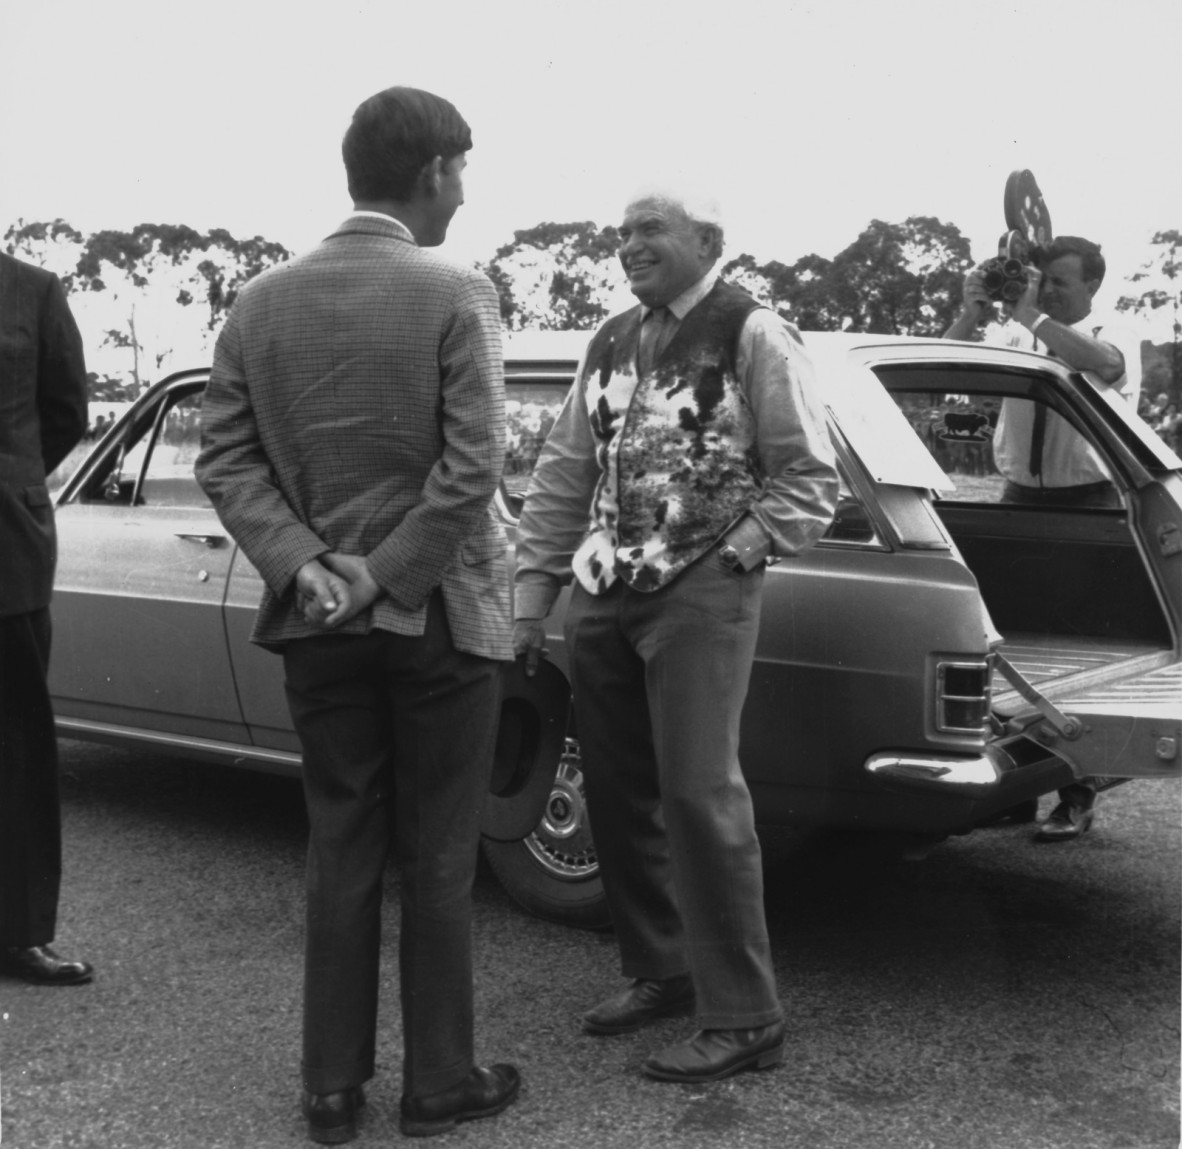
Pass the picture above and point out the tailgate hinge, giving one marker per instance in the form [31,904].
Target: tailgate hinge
[1064,725]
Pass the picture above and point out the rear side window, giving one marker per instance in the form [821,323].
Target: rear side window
[532,404]
[531,407]
[999,439]
[958,431]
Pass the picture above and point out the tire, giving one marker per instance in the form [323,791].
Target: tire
[553,872]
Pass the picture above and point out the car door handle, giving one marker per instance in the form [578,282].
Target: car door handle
[209,540]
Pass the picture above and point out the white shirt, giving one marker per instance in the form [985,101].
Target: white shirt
[1067,458]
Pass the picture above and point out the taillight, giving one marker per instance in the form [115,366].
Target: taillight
[963,693]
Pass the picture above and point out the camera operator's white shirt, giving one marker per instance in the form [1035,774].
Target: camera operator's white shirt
[1067,458]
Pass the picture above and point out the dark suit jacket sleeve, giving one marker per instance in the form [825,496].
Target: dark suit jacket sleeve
[411,560]
[235,472]
[61,377]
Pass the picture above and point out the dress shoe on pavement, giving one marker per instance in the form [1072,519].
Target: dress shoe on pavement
[633,1008]
[39,964]
[712,1054]
[1065,822]
[332,1117]
[483,1093]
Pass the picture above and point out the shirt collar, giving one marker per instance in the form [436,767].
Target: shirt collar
[688,299]
[360,214]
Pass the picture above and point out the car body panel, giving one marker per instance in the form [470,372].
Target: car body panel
[259,672]
[138,634]
[842,725]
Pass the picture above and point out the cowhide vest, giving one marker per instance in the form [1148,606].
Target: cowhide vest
[676,448]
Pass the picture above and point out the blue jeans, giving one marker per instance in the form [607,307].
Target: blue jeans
[659,683]
[398,735]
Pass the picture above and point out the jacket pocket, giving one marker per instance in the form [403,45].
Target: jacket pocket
[484,547]
[37,496]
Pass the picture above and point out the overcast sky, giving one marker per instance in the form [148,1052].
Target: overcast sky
[809,119]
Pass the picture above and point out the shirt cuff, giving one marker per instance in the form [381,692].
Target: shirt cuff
[533,600]
[750,541]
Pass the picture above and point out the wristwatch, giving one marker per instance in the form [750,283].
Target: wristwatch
[729,556]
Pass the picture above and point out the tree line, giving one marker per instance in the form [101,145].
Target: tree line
[144,276]
[893,279]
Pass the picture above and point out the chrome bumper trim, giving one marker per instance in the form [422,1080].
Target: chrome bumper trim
[180,745]
[971,775]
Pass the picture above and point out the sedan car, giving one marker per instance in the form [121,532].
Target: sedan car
[937,657]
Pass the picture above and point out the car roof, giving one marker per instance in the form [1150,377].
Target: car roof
[545,350]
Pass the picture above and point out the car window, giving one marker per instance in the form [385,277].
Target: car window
[851,521]
[151,463]
[532,404]
[996,444]
[531,407]
[172,447]
[958,432]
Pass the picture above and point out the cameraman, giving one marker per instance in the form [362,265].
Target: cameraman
[1043,459]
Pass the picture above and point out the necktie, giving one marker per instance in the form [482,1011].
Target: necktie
[1038,432]
[1037,435]
[653,337]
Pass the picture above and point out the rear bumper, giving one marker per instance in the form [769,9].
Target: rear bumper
[972,776]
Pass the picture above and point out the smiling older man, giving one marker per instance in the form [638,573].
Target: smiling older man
[690,449]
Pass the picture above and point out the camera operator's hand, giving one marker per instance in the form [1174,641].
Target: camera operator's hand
[1025,309]
[976,298]
[976,310]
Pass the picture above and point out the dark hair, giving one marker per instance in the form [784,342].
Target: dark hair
[1092,265]
[393,136]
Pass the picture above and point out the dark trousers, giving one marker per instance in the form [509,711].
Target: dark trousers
[659,683]
[30,813]
[397,734]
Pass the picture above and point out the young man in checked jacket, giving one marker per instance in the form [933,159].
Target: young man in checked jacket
[353,437]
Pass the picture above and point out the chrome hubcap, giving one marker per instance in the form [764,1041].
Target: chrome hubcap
[562,841]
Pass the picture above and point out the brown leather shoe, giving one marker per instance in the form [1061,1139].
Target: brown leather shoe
[332,1117]
[633,1008]
[1065,821]
[483,1093]
[39,964]
[712,1054]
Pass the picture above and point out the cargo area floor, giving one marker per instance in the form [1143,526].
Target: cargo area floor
[1044,658]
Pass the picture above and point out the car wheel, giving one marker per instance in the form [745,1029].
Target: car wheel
[553,871]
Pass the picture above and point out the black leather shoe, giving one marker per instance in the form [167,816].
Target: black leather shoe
[634,1007]
[1065,822]
[483,1093]
[712,1054]
[41,965]
[332,1117]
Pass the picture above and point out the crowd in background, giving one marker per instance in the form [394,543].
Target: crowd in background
[1163,416]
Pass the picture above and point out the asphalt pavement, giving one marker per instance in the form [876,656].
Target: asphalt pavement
[998,995]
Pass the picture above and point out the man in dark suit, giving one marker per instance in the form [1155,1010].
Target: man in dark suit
[353,438]
[42,416]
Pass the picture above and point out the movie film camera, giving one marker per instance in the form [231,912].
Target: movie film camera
[1029,224]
